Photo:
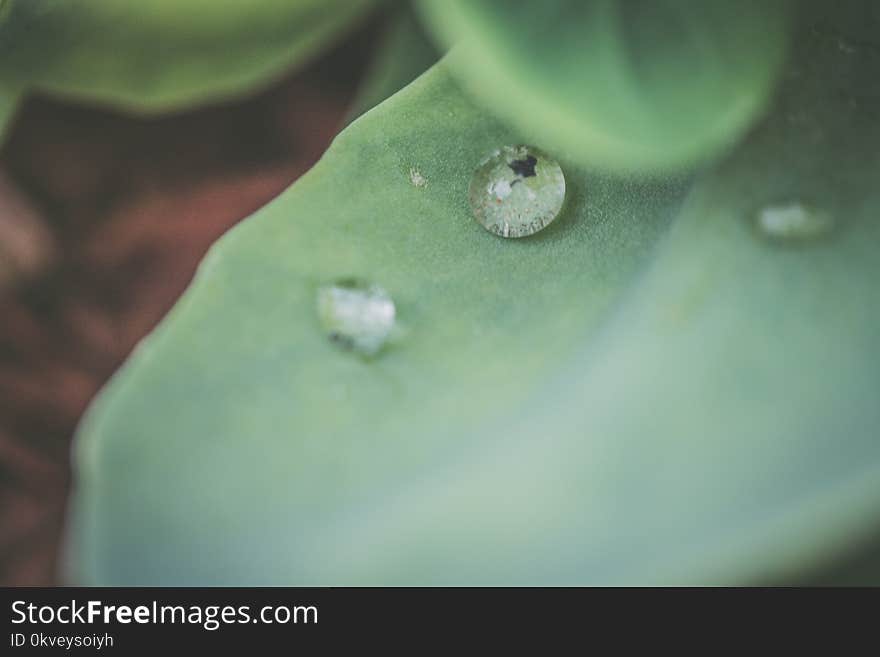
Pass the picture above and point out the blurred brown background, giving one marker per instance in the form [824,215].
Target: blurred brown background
[103,220]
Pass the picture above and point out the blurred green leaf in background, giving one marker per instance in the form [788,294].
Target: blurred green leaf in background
[9,99]
[161,54]
[619,84]
[648,391]
[405,52]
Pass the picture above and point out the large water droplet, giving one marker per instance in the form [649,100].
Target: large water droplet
[356,315]
[516,191]
[793,222]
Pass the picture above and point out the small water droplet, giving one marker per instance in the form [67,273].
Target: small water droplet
[516,191]
[356,315]
[416,178]
[793,222]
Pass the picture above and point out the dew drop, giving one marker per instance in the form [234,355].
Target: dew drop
[416,178]
[356,315]
[793,222]
[516,191]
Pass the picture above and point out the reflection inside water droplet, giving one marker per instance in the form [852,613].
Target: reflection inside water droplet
[793,222]
[516,191]
[356,315]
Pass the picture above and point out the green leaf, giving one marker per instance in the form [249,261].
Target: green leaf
[405,53]
[9,100]
[645,392]
[619,84]
[859,566]
[162,54]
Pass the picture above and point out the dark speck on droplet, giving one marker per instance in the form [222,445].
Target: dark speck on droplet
[524,167]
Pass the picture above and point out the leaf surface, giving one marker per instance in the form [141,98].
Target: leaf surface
[645,392]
